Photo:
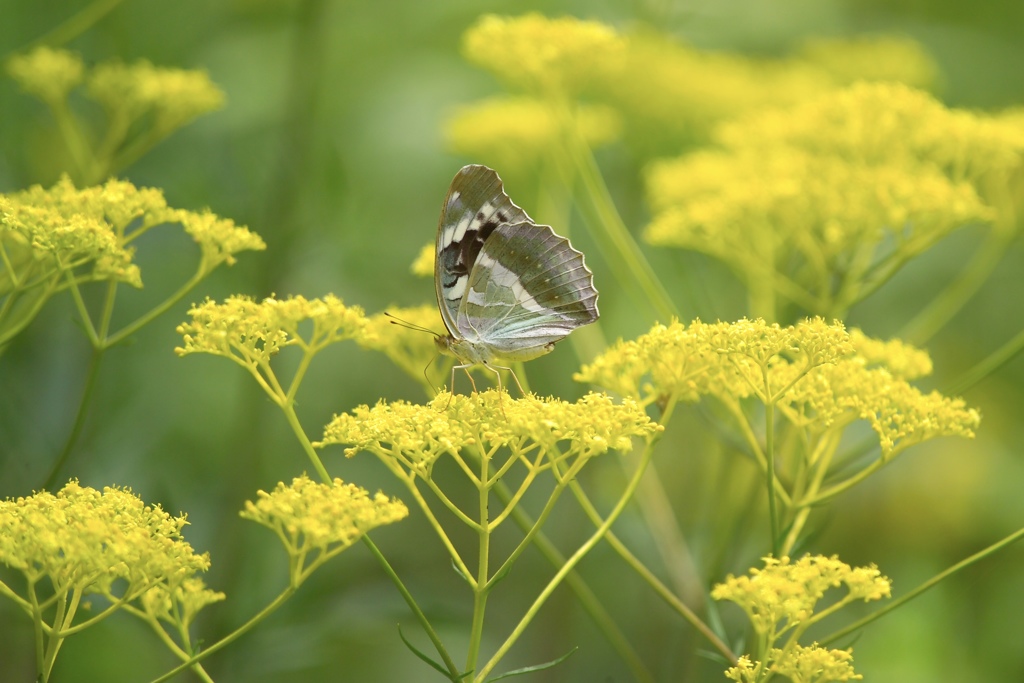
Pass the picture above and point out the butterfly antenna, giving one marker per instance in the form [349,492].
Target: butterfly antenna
[395,320]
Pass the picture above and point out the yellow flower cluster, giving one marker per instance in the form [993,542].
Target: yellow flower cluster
[799,664]
[179,603]
[854,182]
[417,435]
[544,56]
[805,217]
[781,599]
[309,516]
[73,227]
[45,233]
[820,376]
[515,132]
[722,359]
[93,541]
[253,332]
[174,96]
[47,73]
[784,594]
[218,238]
[411,350]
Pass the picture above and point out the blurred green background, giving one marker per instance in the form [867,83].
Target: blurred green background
[331,148]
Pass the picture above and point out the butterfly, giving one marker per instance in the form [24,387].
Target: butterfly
[508,288]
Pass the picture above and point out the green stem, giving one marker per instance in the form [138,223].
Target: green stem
[923,587]
[571,563]
[613,237]
[482,589]
[76,25]
[300,434]
[159,310]
[449,663]
[993,362]
[769,452]
[231,637]
[647,575]
[590,602]
[955,296]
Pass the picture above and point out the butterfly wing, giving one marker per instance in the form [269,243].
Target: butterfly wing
[528,289]
[475,206]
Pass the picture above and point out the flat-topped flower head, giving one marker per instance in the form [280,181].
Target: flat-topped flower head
[784,594]
[250,331]
[310,516]
[47,73]
[723,359]
[544,56]
[819,375]
[218,238]
[417,435]
[515,133]
[86,540]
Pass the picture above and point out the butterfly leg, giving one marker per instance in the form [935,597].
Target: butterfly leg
[511,372]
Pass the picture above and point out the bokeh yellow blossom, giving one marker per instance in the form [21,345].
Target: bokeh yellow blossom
[516,132]
[308,516]
[47,73]
[412,350]
[891,58]
[671,95]
[796,219]
[417,435]
[423,265]
[544,56]
[174,96]
[784,594]
[249,332]
[103,542]
[883,123]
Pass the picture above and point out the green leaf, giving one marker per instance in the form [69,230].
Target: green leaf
[444,672]
[535,667]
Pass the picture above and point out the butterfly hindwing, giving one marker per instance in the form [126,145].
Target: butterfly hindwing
[475,206]
[527,290]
